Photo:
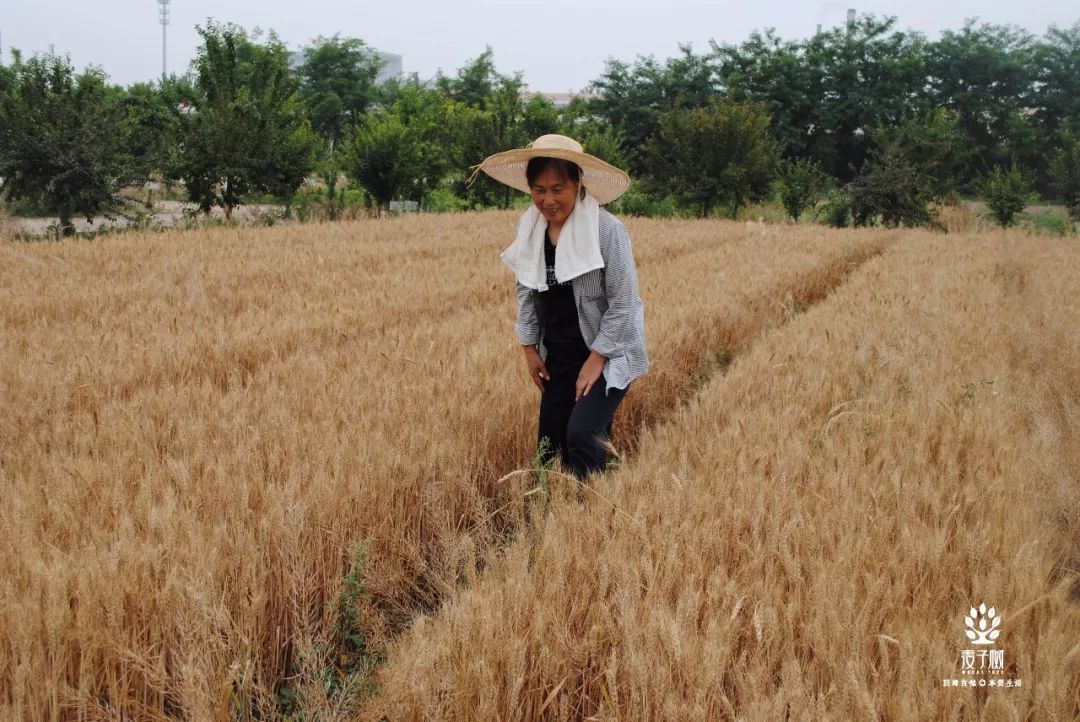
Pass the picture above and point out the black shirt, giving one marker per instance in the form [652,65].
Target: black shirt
[562,332]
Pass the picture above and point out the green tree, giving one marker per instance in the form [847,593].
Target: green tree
[861,75]
[933,143]
[1007,193]
[606,143]
[720,154]
[151,126]
[337,83]
[539,117]
[579,120]
[891,188]
[249,131]
[62,143]
[7,74]
[475,81]
[445,125]
[775,72]
[388,157]
[491,119]
[801,185]
[1065,171]
[983,73]
[1056,70]
[634,97]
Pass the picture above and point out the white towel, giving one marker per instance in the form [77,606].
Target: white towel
[577,249]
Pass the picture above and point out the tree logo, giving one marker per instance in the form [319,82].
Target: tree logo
[983,665]
[982,625]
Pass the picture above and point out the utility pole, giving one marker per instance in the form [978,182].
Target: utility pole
[163,6]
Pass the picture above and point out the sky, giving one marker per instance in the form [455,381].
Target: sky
[558,45]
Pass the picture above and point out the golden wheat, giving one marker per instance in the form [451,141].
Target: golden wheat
[810,530]
[200,427]
[203,426]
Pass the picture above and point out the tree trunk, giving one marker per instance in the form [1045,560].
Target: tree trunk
[66,229]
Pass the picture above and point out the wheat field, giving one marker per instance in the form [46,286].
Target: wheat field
[285,473]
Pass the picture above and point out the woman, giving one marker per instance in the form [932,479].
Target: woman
[580,320]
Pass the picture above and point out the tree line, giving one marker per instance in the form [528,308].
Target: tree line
[880,121]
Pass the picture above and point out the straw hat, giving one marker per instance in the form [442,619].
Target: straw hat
[604,181]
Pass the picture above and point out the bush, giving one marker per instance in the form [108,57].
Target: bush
[889,187]
[311,203]
[443,200]
[637,202]
[354,202]
[1007,193]
[800,184]
[836,210]
[29,208]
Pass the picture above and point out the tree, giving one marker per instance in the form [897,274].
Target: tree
[890,187]
[337,83]
[475,82]
[446,126]
[606,143]
[492,116]
[62,143]
[539,117]
[1065,171]
[984,75]
[722,153]
[933,143]
[387,157]
[249,132]
[776,73]
[862,75]
[7,75]
[151,127]
[1007,193]
[801,184]
[1056,70]
[634,97]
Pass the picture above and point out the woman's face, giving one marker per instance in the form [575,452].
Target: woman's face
[554,196]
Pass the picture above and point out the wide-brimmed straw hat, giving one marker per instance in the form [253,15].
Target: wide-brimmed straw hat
[601,179]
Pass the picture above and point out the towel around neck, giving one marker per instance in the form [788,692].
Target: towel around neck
[577,251]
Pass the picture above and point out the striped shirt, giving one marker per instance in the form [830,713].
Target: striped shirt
[610,311]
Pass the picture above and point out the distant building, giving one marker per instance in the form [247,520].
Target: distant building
[392,66]
[561,100]
[391,69]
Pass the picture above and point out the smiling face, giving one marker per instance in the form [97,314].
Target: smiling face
[554,195]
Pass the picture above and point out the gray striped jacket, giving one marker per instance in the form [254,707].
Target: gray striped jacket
[610,312]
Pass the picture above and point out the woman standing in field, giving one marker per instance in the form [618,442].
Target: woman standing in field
[580,320]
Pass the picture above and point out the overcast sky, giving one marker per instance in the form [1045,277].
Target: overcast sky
[560,45]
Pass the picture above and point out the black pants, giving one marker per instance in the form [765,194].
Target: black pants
[573,429]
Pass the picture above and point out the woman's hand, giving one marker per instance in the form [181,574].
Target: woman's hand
[537,370]
[591,370]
